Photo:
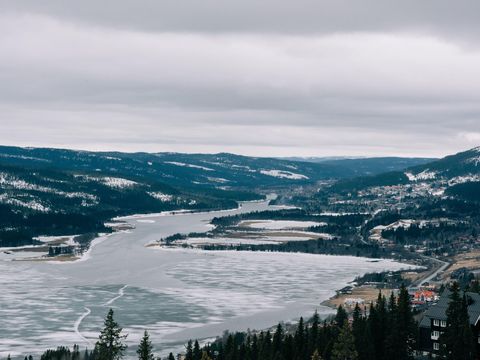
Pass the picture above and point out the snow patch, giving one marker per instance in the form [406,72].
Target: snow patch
[475,160]
[161,196]
[282,174]
[113,182]
[424,175]
[280,224]
[218,180]
[463,179]
[188,165]
[31,204]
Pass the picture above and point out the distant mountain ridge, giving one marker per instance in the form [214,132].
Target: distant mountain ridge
[60,192]
[449,171]
[176,169]
[465,163]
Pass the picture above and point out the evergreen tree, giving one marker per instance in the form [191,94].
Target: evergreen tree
[457,340]
[299,341]
[344,347]
[265,351]
[277,340]
[468,349]
[76,352]
[254,348]
[341,316]
[197,353]
[313,334]
[405,324]
[109,345]
[288,347]
[359,329]
[171,357]
[189,351]
[372,329]
[230,348]
[379,327]
[145,348]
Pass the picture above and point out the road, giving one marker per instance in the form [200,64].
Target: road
[443,265]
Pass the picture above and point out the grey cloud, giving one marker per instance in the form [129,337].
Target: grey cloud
[257,77]
[253,16]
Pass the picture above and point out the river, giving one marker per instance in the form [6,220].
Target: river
[176,294]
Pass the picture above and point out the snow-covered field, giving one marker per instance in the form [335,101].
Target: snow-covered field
[280,224]
[424,175]
[176,294]
[176,163]
[284,174]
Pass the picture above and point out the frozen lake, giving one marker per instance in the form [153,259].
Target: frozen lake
[175,294]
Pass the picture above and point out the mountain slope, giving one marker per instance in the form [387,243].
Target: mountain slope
[66,192]
[51,202]
[185,170]
[369,166]
[454,169]
[373,166]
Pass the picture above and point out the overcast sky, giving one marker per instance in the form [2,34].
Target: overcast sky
[256,77]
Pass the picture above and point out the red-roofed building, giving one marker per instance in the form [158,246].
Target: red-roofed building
[422,296]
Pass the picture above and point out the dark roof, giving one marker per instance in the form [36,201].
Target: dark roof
[438,311]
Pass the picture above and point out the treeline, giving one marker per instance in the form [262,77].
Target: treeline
[19,228]
[388,331]
[178,236]
[320,246]
[390,279]
[359,183]
[347,220]
[469,191]
[53,202]
[435,235]
[287,214]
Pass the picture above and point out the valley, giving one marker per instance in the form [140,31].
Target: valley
[156,288]
[174,249]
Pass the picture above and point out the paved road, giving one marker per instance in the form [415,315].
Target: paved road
[442,266]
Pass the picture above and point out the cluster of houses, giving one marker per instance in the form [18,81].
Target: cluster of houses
[433,318]
[434,323]
[423,297]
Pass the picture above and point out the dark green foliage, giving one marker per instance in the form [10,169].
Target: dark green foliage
[359,183]
[336,339]
[341,316]
[197,354]
[457,340]
[344,347]
[189,351]
[145,348]
[390,279]
[333,246]
[468,191]
[378,165]
[109,345]
[438,234]
[64,353]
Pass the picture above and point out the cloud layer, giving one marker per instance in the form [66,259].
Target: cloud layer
[259,78]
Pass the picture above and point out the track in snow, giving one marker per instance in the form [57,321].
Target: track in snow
[76,326]
[121,292]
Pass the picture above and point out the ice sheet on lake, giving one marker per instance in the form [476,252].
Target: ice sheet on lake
[280,224]
[176,294]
